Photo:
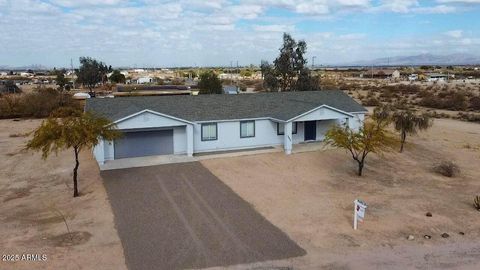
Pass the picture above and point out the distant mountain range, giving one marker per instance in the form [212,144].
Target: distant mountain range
[413,60]
[421,59]
[32,67]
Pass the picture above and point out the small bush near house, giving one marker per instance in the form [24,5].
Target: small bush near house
[447,168]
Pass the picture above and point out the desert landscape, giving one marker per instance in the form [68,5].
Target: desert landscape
[308,195]
[39,215]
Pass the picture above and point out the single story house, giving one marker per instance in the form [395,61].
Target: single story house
[144,80]
[185,125]
[437,77]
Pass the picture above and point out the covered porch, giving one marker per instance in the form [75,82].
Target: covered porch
[313,125]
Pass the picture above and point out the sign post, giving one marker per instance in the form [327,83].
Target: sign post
[358,212]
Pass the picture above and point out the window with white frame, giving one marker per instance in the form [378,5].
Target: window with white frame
[281,128]
[209,131]
[247,129]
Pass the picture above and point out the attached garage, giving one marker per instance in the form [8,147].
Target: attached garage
[144,143]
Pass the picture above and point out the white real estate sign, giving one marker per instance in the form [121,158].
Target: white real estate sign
[358,212]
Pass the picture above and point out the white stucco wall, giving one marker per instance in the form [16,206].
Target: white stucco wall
[228,132]
[228,136]
[356,121]
[322,113]
[148,120]
[324,125]
[105,151]
[179,140]
[300,136]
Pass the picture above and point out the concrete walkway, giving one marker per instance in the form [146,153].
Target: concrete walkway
[172,159]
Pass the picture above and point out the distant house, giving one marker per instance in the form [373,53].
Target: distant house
[9,87]
[413,77]
[154,90]
[185,125]
[383,74]
[144,80]
[230,89]
[437,77]
[395,75]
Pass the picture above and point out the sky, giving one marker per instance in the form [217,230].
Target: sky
[149,33]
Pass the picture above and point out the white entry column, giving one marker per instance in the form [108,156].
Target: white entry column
[189,129]
[99,152]
[287,138]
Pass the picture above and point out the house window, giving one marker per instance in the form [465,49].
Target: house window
[209,132]
[247,129]
[281,128]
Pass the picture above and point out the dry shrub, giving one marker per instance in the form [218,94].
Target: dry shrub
[10,106]
[475,103]
[446,100]
[447,168]
[371,101]
[476,202]
[40,103]
[470,117]
[258,87]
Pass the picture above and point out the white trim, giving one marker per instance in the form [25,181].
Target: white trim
[319,107]
[359,112]
[240,119]
[153,112]
[237,148]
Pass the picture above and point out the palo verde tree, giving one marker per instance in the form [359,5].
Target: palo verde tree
[370,138]
[382,114]
[91,72]
[408,122]
[75,131]
[210,83]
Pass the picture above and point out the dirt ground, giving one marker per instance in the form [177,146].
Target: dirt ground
[307,195]
[310,197]
[36,197]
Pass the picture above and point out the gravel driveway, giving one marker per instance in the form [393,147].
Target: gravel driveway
[181,216]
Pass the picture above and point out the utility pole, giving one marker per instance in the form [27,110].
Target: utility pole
[73,72]
[313,61]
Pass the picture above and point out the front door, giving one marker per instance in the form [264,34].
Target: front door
[310,130]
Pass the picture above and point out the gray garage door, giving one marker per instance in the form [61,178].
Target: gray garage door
[144,143]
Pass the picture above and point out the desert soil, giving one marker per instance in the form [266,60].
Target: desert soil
[310,197]
[36,198]
[307,195]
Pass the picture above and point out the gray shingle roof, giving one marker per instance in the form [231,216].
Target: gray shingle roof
[279,105]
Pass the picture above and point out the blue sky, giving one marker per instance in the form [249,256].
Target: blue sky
[216,32]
